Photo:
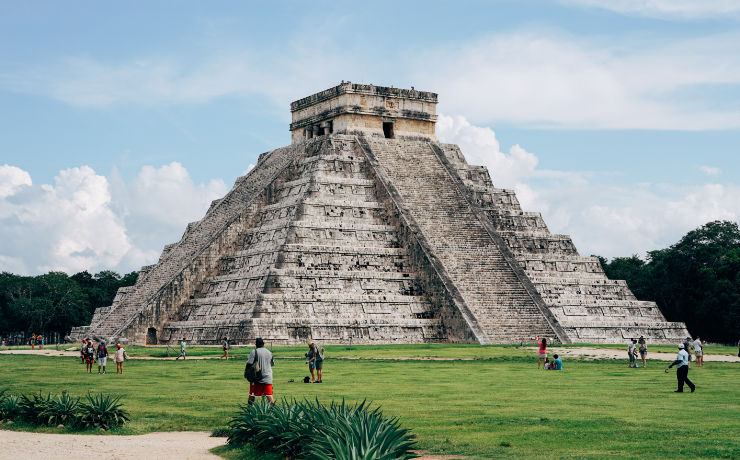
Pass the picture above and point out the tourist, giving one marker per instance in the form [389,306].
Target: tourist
[89,355]
[632,352]
[318,354]
[643,350]
[263,386]
[119,357]
[557,364]
[225,346]
[182,350]
[687,346]
[738,348]
[82,350]
[682,371]
[548,364]
[102,356]
[311,361]
[543,350]
[33,341]
[698,351]
[40,341]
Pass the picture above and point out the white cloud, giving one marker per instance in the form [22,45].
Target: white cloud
[710,170]
[552,80]
[480,147]
[85,221]
[11,179]
[681,9]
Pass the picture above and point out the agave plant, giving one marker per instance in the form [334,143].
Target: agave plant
[10,407]
[243,427]
[31,408]
[63,409]
[102,411]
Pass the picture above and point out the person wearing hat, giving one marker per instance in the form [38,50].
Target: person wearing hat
[682,369]
[262,387]
[119,357]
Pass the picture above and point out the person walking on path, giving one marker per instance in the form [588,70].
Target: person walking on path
[543,350]
[643,350]
[318,355]
[102,356]
[225,346]
[311,361]
[263,358]
[682,371]
[119,357]
[33,341]
[632,352]
[183,345]
[698,346]
[89,355]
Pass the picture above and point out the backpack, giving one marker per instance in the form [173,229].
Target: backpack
[320,351]
[252,372]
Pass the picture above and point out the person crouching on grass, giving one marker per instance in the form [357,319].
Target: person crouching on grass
[263,386]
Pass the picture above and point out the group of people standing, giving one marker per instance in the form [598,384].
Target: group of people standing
[89,353]
[635,346]
[37,340]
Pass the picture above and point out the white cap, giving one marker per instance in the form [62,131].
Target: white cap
[680,346]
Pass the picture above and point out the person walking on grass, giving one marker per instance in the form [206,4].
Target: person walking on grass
[33,341]
[89,355]
[632,352]
[698,351]
[543,350]
[82,351]
[259,369]
[40,341]
[102,356]
[311,361]
[642,346]
[682,371]
[119,357]
[225,346]
[183,345]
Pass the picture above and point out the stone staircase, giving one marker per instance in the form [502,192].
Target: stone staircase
[588,306]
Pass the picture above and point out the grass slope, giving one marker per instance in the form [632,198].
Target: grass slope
[500,406]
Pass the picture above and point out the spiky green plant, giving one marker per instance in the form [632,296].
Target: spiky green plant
[63,409]
[102,411]
[243,427]
[33,406]
[10,407]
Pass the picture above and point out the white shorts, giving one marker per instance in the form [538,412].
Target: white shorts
[699,353]
[543,355]
[102,361]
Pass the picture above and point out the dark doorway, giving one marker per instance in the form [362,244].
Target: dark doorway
[388,129]
[151,336]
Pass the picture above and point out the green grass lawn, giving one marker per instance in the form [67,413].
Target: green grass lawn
[500,406]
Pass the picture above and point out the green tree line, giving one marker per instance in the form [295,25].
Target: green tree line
[696,280]
[55,302]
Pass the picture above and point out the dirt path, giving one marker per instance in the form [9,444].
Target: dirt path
[174,445]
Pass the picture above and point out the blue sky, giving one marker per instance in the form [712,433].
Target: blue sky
[618,120]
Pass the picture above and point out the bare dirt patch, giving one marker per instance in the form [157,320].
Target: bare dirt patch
[175,445]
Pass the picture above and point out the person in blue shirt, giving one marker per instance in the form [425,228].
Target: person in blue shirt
[557,363]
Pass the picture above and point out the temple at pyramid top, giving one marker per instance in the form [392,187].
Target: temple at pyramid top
[351,108]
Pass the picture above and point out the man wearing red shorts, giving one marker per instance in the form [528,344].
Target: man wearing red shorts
[262,387]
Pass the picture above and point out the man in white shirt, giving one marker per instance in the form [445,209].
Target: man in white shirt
[682,371]
[698,351]
[632,352]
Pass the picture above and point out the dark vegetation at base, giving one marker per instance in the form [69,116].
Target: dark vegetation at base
[696,280]
[55,302]
[311,430]
[96,410]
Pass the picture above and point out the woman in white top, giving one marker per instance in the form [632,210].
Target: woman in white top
[119,357]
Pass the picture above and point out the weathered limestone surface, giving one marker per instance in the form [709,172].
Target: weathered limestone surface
[368,229]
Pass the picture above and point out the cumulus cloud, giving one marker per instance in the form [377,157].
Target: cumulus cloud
[480,147]
[86,221]
[710,170]
[682,9]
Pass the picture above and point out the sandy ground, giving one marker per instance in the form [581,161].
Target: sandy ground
[175,445]
[582,352]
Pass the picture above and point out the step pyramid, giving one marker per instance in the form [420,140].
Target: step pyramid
[367,229]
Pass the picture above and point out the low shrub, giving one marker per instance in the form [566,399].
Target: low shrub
[221,432]
[10,407]
[32,407]
[311,430]
[63,409]
[102,411]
